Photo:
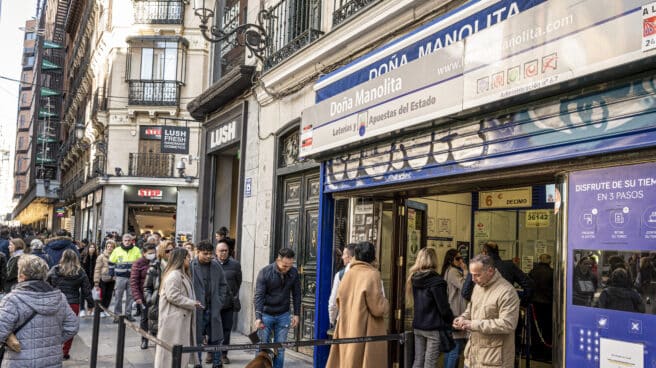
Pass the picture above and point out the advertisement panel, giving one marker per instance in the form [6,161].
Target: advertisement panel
[549,44]
[611,311]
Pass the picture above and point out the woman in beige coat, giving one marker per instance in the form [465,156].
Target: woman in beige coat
[177,309]
[101,277]
[362,306]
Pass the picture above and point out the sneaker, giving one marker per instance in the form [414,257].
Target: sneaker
[103,315]
[83,313]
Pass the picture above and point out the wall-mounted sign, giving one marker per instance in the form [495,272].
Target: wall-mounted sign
[151,194]
[248,187]
[175,140]
[509,198]
[527,52]
[538,218]
[150,132]
[60,212]
[224,135]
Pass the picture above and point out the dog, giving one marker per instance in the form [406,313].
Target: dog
[263,359]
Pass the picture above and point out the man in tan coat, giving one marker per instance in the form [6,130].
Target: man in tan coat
[491,317]
[362,306]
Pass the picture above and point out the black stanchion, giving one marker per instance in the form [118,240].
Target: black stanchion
[120,344]
[176,361]
[93,359]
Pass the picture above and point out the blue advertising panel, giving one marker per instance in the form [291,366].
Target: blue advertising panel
[611,278]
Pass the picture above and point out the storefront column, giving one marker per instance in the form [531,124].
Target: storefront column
[185,222]
[113,208]
[324,269]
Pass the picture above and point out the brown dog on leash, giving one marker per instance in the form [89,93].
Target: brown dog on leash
[263,359]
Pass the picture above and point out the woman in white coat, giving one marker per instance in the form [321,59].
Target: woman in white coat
[177,309]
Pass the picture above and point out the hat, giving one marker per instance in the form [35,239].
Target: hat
[36,244]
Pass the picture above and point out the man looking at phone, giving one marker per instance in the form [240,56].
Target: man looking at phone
[211,289]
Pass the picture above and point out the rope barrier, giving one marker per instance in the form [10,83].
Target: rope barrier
[537,328]
[136,328]
[290,344]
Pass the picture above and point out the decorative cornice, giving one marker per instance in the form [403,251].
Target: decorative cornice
[231,85]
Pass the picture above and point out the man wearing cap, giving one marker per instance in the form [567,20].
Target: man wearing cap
[37,249]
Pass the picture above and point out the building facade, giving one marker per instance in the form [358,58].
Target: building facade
[128,153]
[416,124]
[36,176]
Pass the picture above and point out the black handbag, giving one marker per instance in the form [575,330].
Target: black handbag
[447,343]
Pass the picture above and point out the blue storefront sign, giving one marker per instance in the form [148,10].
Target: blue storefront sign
[443,31]
[611,227]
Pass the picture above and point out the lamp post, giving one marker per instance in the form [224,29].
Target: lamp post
[253,36]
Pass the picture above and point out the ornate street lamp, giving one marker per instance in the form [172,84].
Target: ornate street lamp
[79,130]
[253,36]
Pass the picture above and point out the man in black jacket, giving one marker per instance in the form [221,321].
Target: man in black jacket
[232,272]
[275,284]
[211,289]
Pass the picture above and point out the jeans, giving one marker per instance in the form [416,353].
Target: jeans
[427,348]
[143,323]
[451,358]
[207,330]
[276,328]
[227,316]
[123,286]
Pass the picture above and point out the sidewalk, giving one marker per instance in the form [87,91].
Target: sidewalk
[137,358]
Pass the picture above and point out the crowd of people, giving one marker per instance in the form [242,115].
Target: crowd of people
[51,282]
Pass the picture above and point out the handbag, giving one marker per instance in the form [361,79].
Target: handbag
[447,343]
[12,342]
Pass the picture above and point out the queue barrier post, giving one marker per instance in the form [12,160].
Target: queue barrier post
[120,344]
[176,361]
[93,359]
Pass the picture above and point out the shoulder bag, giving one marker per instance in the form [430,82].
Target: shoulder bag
[447,343]
[12,342]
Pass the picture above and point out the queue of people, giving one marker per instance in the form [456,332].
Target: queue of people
[194,290]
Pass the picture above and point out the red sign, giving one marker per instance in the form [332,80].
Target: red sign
[150,193]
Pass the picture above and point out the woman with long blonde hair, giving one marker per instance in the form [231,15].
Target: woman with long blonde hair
[177,308]
[69,277]
[432,312]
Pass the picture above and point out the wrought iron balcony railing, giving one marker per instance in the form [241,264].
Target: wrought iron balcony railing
[154,92]
[292,25]
[154,165]
[158,12]
[347,8]
[97,167]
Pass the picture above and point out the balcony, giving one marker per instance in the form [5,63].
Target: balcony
[293,24]
[154,165]
[347,8]
[97,167]
[154,93]
[158,12]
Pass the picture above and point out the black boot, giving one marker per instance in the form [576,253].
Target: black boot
[144,343]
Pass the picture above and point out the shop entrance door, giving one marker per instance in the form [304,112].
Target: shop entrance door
[299,213]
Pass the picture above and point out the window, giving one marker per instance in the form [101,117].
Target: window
[156,70]
[28,62]
[30,36]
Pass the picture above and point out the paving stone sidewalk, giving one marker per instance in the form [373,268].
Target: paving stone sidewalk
[137,358]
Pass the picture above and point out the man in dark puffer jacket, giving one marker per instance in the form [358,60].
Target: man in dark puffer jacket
[56,246]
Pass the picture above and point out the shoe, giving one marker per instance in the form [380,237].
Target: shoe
[209,358]
[217,366]
[225,360]
[83,313]
[103,315]
[115,320]
[67,357]
[130,318]
[144,344]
